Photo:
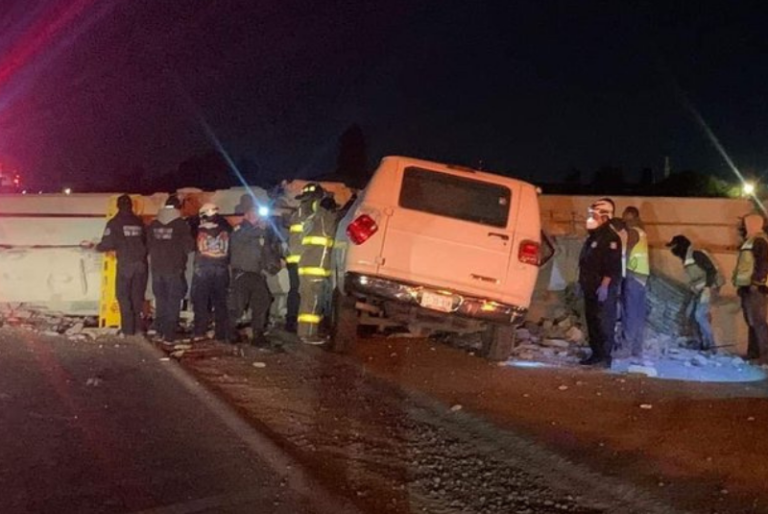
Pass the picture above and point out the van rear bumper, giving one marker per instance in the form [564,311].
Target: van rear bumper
[413,294]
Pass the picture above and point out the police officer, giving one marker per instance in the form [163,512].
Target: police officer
[125,235]
[600,267]
[254,250]
[749,277]
[315,265]
[210,282]
[634,285]
[170,242]
[310,193]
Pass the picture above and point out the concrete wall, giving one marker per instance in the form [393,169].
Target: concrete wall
[42,263]
[710,223]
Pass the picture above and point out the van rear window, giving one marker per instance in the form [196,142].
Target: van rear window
[455,197]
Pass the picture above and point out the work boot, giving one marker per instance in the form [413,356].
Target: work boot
[260,340]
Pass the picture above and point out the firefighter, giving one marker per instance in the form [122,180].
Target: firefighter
[210,281]
[633,296]
[125,235]
[315,265]
[170,242]
[254,251]
[703,277]
[749,277]
[600,268]
[308,196]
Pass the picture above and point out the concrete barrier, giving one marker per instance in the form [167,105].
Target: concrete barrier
[42,264]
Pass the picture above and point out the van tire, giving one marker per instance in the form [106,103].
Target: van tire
[498,341]
[344,323]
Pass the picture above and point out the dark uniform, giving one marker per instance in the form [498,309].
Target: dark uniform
[170,242]
[254,250]
[125,235]
[600,257]
[210,282]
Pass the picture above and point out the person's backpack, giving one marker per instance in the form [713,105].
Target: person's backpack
[719,278]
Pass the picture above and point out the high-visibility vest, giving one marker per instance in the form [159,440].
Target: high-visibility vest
[745,265]
[296,232]
[637,260]
[317,243]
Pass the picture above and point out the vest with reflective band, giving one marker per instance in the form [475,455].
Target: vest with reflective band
[317,244]
[745,265]
[637,261]
[296,231]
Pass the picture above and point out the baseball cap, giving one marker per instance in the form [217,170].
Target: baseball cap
[678,240]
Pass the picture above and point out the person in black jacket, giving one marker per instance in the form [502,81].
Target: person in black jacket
[600,267]
[169,241]
[125,235]
[211,277]
[254,251]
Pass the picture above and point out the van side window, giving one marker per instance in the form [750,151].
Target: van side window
[455,197]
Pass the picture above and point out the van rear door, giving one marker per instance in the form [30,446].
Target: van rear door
[450,229]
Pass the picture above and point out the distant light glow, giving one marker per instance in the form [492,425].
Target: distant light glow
[263,211]
[748,188]
[67,191]
[720,148]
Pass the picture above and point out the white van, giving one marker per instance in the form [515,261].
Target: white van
[438,246]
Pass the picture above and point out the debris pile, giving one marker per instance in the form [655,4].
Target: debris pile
[560,339]
[75,328]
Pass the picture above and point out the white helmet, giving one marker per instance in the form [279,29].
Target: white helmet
[208,210]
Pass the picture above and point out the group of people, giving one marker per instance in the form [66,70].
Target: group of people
[614,269]
[230,267]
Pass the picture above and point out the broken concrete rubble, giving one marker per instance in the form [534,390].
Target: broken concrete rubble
[76,328]
[664,355]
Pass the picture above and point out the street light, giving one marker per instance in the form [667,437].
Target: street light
[748,188]
[67,191]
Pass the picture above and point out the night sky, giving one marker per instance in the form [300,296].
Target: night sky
[92,89]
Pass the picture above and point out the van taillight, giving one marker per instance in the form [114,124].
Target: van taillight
[360,230]
[529,252]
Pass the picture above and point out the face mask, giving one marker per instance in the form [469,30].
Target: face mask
[592,222]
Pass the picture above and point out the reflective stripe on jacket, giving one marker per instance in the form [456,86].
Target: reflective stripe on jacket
[296,231]
[317,243]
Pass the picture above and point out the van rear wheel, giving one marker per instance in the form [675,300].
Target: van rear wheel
[344,323]
[498,341]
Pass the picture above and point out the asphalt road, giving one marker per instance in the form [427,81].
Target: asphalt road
[113,428]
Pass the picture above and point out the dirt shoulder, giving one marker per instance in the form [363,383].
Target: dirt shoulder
[703,444]
[361,423]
